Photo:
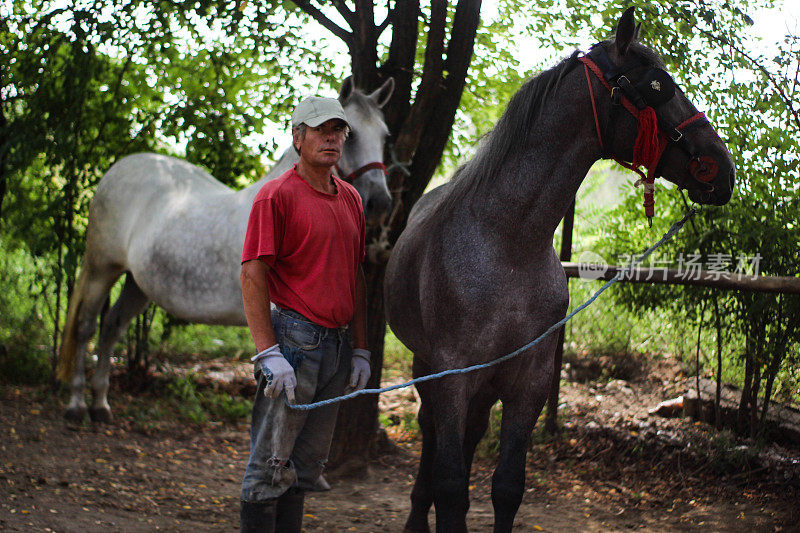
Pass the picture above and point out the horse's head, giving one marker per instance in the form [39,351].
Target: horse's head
[363,150]
[685,149]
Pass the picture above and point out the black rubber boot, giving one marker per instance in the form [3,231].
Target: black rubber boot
[258,517]
[290,512]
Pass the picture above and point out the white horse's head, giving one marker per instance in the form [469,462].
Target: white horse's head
[364,146]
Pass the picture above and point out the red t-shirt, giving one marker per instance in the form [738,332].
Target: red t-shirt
[313,243]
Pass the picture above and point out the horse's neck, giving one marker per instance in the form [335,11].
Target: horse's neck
[286,161]
[532,192]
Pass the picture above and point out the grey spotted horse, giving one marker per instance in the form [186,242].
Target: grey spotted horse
[474,275]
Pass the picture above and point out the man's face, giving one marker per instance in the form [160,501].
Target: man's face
[322,145]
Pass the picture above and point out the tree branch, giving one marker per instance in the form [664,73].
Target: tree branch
[428,91]
[778,89]
[439,121]
[345,12]
[385,24]
[364,46]
[320,17]
[400,63]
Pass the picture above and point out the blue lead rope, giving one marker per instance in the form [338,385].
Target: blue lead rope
[676,227]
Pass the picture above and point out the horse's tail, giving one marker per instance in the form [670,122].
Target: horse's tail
[69,336]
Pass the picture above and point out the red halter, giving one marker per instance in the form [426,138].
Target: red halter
[650,141]
[349,178]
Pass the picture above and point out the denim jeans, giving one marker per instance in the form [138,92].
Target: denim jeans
[289,448]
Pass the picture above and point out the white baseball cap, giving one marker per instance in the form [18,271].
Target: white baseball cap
[316,110]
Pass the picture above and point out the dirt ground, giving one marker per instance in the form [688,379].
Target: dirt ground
[613,468]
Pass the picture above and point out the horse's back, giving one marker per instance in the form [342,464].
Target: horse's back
[154,174]
[132,195]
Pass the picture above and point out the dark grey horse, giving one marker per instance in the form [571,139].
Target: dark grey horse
[474,275]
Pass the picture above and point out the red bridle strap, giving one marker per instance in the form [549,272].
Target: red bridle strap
[359,171]
[654,148]
[632,109]
[594,105]
[689,120]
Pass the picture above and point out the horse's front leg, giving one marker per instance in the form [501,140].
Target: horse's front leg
[450,477]
[508,480]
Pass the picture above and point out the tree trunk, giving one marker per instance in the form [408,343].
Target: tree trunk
[754,398]
[4,147]
[718,393]
[139,349]
[700,316]
[357,423]
[56,315]
[772,372]
[409,125]
[364,46]
[744,402]
[551,421]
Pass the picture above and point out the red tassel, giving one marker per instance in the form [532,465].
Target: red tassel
[645,151]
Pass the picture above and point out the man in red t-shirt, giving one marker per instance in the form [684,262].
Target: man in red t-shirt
[302,252]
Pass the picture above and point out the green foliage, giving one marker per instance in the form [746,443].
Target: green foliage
[83,84]
[207,342]
[22,283]
[753,105]
[24,343]
[20,367]
[186,400]
[199,407]
[226,407]
[396,357]
[406,422]
[489,446]
[727,455]
[492,80]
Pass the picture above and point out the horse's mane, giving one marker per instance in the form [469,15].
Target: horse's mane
[510,134]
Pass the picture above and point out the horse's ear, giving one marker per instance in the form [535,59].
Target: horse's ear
[636,32]
[382,95]
[626,31]
[347,89]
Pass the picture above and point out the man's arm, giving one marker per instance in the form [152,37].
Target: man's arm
[255,295]
[358,326]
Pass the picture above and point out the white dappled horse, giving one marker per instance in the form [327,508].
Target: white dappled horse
[178,234]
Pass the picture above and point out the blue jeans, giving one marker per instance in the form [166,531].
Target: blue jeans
[289,448]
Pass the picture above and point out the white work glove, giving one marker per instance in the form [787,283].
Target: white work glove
[279,373]
[360,372]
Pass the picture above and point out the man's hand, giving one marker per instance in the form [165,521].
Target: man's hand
[360,371]
[274,364]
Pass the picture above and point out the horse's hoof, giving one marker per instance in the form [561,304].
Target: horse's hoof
[416,528]
[75,415]
[101,415]
[321,485]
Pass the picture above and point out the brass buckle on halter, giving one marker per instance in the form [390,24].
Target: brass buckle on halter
[677,138]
